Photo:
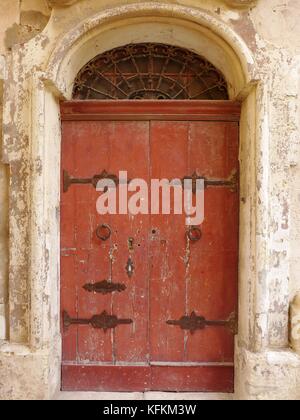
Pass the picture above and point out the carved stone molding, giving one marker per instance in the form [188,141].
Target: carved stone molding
[241,3]
[295,324]
[61,3]
[232,3]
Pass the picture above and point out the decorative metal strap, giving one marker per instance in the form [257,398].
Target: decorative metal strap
[104,287]
[194,323]
[230,183]
[68,180]
[103,321]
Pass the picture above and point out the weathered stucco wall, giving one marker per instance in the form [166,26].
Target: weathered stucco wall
[3,225]
[8,19]
[257,46]
[5,21]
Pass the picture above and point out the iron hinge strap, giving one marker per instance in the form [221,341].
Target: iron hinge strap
[104,287]
[69,180]
[230,182]
[193,323]
[103,321]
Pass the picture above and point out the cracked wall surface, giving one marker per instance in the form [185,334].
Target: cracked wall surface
[40,69]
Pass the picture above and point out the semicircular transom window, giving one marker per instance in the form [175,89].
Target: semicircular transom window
[150,71]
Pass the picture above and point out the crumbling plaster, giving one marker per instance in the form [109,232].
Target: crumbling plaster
[22,20]
[3,222]
[262,69]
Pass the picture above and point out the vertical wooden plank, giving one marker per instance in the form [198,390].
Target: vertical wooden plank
[130,152]
[90,145]
[93,149]
[68,251]
[167,245]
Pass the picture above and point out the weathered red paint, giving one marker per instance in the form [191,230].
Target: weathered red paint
[146,378]
[172,276]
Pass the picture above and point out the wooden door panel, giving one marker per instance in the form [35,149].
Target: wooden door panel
[147,378]
[104,378]
[197,263]
[107,260]
[212,268]
[169,151]
[192,378]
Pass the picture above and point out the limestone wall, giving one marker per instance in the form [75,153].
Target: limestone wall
[19,22]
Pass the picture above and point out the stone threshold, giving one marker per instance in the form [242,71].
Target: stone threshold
[140,396]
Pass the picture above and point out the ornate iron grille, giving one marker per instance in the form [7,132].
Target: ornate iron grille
[149,71]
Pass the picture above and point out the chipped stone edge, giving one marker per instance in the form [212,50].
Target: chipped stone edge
[246,4]
[232,3]
[270,375]
[2,67]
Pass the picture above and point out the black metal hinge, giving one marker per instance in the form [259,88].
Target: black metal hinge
[194,323]
[104,287]
[230,182]
[102,321]
[68,180]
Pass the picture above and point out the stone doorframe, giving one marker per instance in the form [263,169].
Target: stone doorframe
[40,74]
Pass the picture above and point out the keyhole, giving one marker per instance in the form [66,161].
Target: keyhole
[130,244]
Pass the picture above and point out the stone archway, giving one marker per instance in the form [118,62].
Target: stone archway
[200,34]
[34,278]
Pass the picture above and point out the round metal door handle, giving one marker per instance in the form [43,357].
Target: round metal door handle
[194,234]
[103,232]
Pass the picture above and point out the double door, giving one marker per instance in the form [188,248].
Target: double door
[147,302]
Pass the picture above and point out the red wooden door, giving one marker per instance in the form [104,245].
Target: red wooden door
[166,305]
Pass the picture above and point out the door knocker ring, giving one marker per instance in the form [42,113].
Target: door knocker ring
[194,234]
[103,232]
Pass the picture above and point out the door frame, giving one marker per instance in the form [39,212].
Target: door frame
[140,110]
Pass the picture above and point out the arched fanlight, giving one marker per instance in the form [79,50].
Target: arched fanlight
[149,71]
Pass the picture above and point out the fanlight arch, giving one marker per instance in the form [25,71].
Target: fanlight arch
[150,71]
